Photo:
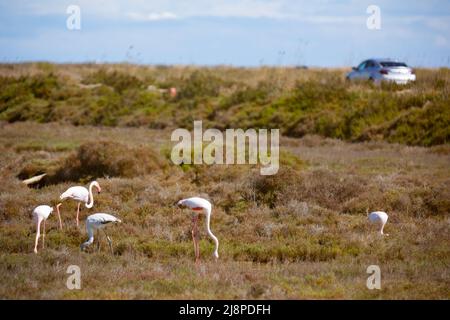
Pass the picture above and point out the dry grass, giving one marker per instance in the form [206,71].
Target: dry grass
[300,234]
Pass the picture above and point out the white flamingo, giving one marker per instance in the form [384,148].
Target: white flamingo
[80,194]
[200,205]
[379,217]
[40,213]
[98,221]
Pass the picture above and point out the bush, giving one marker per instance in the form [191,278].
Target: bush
[95,160]
[259,94]
[425,126]
[267,190]
[118,80]
[107,159]
[200,84]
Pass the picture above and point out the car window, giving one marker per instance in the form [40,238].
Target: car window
[393,64]
[370,64]
[362,65]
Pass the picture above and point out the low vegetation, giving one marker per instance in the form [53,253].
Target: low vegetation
[96,159]
[302,233]
[297,101]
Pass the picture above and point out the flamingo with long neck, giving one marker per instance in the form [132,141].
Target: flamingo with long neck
[200,205]
[40,214]
[98,221]
[79,194]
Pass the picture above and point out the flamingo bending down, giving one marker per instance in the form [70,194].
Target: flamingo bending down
[379,217]
[98,221]
[200,205]
[80,194]
[40,213]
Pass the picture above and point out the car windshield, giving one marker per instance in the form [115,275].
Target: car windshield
[361,65]
[393,64]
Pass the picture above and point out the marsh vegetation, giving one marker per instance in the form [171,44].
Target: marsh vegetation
[302,233]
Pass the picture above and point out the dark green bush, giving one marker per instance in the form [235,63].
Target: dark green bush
[200,84]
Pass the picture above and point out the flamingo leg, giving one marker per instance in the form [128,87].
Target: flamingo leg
[78,213]
[98,241]
[38,234]
[195,237]
[192,234]
[382,230]
[59,215]
[43,236]
[109,242]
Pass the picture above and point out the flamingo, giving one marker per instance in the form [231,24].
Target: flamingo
[98,221]
[40,213]
[80,194]
[200,205]
[379,217]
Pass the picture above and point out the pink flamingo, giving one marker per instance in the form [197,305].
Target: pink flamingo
[80,194]
[98,221]
[200,205]
[40,213]
[380,218]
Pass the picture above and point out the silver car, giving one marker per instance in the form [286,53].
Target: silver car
[378,70]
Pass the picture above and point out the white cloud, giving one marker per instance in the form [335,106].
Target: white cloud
[101,8]
[166,15]
[335,19]
[243,8]
[157,9]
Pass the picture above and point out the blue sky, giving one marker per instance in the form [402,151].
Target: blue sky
[323,33]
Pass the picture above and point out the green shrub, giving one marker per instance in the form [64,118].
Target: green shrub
[298,103]
[200,84]
[118,80]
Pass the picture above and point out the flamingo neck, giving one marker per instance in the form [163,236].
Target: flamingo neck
[90,232]
[382,228]
[208,230]
[91,197]
[89,241]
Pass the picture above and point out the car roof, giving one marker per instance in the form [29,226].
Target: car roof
[384,60]
[381,60]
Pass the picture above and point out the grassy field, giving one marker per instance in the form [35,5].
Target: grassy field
[300,234]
